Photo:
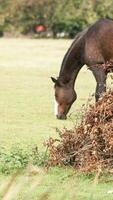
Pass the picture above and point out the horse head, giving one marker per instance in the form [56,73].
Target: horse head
[65,95]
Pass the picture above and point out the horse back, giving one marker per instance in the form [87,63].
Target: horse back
[98,46]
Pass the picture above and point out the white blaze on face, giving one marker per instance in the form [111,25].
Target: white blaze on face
[56,108]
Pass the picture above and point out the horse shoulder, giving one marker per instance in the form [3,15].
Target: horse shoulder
[98,42]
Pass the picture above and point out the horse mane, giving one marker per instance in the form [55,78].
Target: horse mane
[80,34]
[76,39]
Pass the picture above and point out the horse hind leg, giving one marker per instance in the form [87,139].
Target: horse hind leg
[100,77]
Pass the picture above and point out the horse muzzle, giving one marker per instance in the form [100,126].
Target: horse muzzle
[61,116]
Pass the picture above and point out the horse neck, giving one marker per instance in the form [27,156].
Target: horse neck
[70,77]
[71,64]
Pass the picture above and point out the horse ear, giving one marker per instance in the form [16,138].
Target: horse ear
[54,80]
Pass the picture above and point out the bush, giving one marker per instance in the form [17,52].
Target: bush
[18,158]
[74,16]
[89,146]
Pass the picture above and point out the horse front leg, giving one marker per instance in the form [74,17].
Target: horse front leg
[100,89]
[100,76]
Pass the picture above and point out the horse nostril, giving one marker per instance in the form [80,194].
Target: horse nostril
[61,116]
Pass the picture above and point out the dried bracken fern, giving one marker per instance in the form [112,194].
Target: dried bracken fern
[91,144]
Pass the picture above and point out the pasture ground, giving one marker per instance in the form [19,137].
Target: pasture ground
[27,118]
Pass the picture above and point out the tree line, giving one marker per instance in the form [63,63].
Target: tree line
[57,16]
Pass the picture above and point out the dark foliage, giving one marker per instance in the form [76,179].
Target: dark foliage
[69,16]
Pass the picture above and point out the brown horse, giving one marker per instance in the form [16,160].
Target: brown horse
[93,47]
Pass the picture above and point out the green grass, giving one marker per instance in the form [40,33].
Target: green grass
[27,116]
[26,91]
[56,184]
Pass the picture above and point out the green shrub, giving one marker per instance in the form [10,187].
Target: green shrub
[74,16]
[18,158]
[15,159]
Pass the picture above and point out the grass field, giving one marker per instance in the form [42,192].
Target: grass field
[27,118]
[26,91]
